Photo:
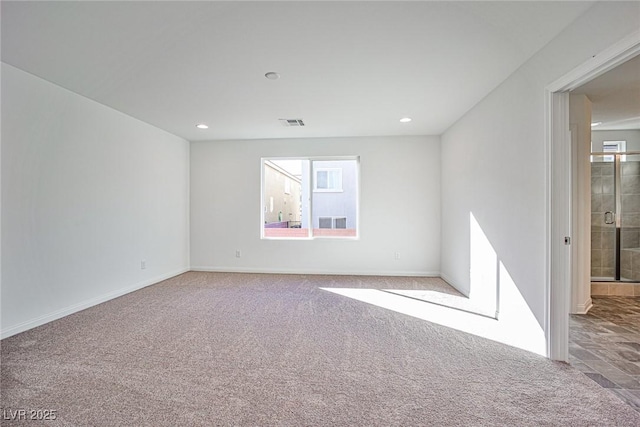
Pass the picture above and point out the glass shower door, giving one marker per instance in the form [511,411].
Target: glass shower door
[629,217]
[603,217]
[615,217]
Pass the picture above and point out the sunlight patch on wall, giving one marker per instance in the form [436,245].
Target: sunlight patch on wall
[493,290]
[483,268]
[518,323]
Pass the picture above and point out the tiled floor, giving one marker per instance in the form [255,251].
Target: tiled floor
[605,345]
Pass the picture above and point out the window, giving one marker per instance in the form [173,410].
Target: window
[340,223]
[329,222]
[325,222]
[614,147]
[320,199]
[328,179]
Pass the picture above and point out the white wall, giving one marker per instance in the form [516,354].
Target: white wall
[631,136]
[493,160]
[580,123]
[399,208]
[87,194]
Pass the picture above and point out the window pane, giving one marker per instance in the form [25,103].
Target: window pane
[328,179]
[335,210]
[335,180]
[283,199]
[325,222]
[322,180]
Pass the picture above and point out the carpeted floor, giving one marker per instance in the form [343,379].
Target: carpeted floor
[258,350]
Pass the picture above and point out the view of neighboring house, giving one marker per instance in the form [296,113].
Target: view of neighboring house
[282,197]
[334,200]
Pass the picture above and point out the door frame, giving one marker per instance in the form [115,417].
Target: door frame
[559,189]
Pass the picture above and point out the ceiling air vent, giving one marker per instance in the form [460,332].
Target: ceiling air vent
[291,122]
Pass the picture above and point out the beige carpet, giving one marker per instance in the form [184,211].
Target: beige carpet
[247,349]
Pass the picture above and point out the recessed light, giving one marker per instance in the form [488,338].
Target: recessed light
[596,124]
[202,126]
[405,120]
[272,75]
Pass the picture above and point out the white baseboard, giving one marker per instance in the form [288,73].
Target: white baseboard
[454,285]
[584,308]
[316,272]
[30,324]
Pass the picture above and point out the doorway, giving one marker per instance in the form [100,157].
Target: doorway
[605,338]
[559,276]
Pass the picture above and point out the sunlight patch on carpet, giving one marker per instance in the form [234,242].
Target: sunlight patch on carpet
[511,328]
[457,302]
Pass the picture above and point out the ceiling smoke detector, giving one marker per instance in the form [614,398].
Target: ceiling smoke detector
[291,122]
[272,75]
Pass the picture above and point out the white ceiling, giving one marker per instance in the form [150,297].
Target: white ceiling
[615,97]
[347,68]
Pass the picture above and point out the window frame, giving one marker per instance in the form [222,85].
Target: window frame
[312,189]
